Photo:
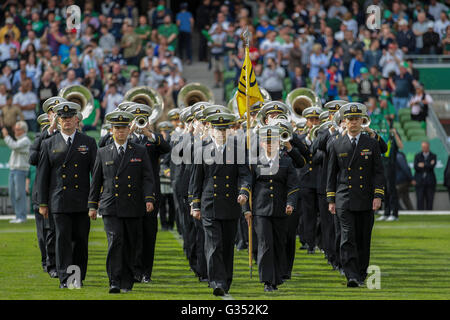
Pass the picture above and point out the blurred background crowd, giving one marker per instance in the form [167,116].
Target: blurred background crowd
[325,45]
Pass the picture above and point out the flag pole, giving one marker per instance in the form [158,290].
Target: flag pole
[245,36]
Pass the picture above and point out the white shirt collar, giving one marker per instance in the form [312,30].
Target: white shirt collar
[118,146]
[66,137]
[357,137]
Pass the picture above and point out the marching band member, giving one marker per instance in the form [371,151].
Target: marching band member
[169,166]
[355,188]
[274,199]
[124,172]
[197,259]
[319,148]
[166,208]
[45,227]
[65,164]
[218,187]
[308,176]
[156,146]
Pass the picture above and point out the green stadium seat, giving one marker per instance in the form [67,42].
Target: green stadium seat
[411,124]
[404,111]
[418,138]
[397,125]
[93,134]
[352,89]
[229,75]
[415,132]
[404,118]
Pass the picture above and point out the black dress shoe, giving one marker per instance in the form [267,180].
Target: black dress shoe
[114,289]
[53,274]
[268,287]
[146,279]
[125,290]
[352,283]
[310,251]
[304,246]
[274,287]
[63,285]
[361,283]
[285,277]
[203,279]
[137,278]
[218,291]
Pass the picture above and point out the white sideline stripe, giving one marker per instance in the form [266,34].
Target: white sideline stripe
[420,213]
[175,235]
[401,213]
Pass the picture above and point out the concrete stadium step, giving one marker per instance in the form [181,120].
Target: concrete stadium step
[198,72]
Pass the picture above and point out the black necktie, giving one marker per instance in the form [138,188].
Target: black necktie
[69,142]
[121,153]
[353,143]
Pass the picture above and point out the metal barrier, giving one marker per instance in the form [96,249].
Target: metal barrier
[434,126]
[428,58]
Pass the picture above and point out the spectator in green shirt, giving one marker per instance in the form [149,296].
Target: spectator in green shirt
[169,31]
[143,30]
[387,109]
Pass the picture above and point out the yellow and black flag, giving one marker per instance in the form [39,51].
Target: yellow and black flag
[252,91]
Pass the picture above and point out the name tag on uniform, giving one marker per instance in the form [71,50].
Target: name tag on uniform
[83,149]
[136,160]
[341,155]
[108,163]
[366,152]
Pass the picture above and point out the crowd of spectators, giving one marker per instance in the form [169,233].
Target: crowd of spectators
[327,46]
[118,45]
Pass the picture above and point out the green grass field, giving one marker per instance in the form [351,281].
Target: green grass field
[413,254]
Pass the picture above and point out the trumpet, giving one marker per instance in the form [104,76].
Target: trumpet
[366,121]
[141,122]
[286,130]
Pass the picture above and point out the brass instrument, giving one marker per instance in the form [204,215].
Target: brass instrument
[80,95]
[192,93]
[301,98]
[286,130]
[336,122]
[313,132]
[366,121]
[149,97]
